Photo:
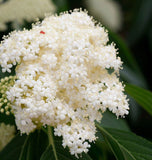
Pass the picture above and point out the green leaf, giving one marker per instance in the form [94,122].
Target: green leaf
[27,148]
[34,146]
[115,148]
[55,150]
[142,96]
[126,145]
[62,154]
[13,149]
[62,5]
[109,120]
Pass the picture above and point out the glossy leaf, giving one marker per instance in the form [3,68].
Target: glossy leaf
[62,154]
[109,120]
[142,96]
[56,151]
[126,145]
[115,148]
[26,152]
[34,146]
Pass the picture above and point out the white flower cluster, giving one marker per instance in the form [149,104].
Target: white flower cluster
[7,132]
[63,77]
[17,11]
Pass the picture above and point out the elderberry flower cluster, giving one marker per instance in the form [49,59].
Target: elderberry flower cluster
[67,76]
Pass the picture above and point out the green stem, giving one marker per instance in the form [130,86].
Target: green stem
[51,141]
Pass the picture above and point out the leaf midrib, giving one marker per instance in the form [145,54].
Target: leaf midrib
[22,150]
[51,142]
[116,141]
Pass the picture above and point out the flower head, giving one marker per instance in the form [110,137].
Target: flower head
[63,77]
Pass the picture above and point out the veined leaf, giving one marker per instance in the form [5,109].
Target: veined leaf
[115,148]
[142,96]
[109,120]
[55,150]
[126,145]
[13,149]
[34,145]
[26,150]
[62,154]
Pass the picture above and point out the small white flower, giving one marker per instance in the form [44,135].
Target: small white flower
[63,79]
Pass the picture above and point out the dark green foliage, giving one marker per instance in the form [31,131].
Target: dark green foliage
[126,145]
[13,149]
[142,96]
[62,154]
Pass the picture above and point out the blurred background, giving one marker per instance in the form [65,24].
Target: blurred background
[129,23]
